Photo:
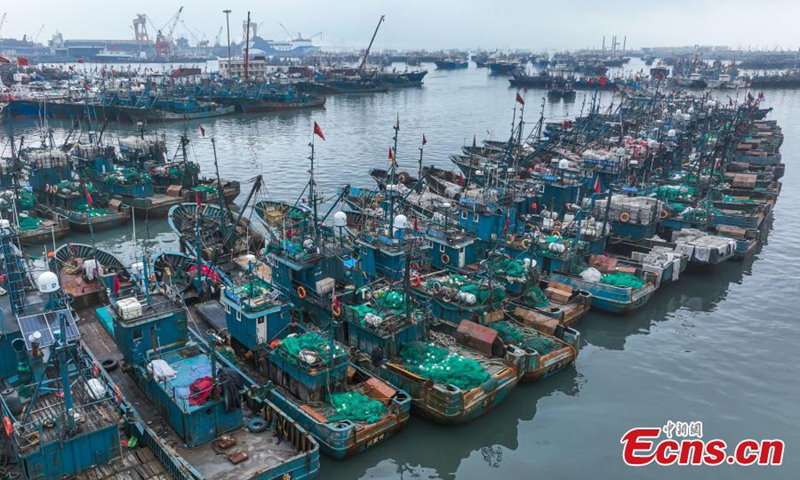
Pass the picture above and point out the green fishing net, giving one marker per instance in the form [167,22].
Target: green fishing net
[356,407]
[362,310]
[514,334]
[29,223]
[391,301]
[205,188]
[624,280]
[440,365]
[91,211]
[536,297]
[26,199]
[127,176]
[512,268]
[291,347]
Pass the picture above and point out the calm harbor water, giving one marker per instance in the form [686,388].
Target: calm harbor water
[719,347]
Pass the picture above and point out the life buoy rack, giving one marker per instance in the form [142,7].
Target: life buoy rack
[445,258]
[301,292]
[415,281]
[624,217]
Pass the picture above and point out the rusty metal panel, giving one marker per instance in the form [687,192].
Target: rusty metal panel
[476,337]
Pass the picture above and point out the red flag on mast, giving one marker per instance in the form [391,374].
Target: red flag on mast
[202,131]
[597,184]
[391,157]
[519,99]
[22,62]
[89,198]
[424,140]
[318,131]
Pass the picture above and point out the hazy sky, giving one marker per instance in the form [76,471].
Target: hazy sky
[435,23]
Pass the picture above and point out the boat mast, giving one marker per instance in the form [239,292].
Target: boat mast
[246,49]
[312,203]
[393,170]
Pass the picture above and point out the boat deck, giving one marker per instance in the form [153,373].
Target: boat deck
[139,464]
[263,450]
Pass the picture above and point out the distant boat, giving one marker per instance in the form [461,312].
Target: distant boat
[451,64]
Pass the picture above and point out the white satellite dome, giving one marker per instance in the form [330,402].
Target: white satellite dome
[400,222]
[48,282]
[563,164]
[340,219]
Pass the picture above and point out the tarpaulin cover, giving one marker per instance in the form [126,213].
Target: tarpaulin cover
[199,391]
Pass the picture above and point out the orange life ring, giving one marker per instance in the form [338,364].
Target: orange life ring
[415,281]
[119,394]
[557,225]
[275,343]
[445,258]
[664,214]
[301,292]
[526,243]
[337,310]
[624,217]
[7,425]
[55,188]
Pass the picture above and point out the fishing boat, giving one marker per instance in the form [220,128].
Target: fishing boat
[383,178]
[619,293]
[336,86]
[451,64]
[173,111]
[449,383]
[192,394]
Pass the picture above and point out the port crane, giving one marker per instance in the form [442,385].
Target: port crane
[219,35]
[366,53]
[299,37]
[164,41]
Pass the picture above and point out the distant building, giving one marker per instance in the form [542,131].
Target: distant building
[257,67]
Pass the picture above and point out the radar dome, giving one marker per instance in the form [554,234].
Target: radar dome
[48,282]
[340,219]
[400,222]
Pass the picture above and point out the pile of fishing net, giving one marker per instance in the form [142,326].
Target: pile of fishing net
[391,301]
[26,222]
[454,286]
[362,310]
[68,186]
[127,176]
[511,268]
[624,280]
[175,170]
[442,366]
[356,407]
[536,297]
[314,349]
[91,211]
[514,334]
[205,189]
[676,193]
[26,199]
